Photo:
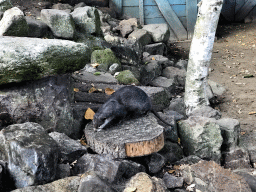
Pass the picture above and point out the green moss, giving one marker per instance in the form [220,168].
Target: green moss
[105,58]
[97,73]
[126,77]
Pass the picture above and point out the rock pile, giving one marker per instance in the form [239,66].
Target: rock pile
[47,74]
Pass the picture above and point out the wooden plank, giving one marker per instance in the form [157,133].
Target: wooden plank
[245,10]
[131,11]
[132,3]
[172,19]
[154,12]
[118,6]
[141,11]
[228,9]
[191,17]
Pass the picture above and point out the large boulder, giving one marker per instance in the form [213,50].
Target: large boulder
[31,154]
[209,176]
[60,22]
[46,101]
[202,137]
[87,20]
[13,23]
[34,58]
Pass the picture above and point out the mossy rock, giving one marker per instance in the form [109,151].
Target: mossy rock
[126,77]
[105,58]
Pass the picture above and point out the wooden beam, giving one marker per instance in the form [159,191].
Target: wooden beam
[245,10]
[141,11]
[172,19]
[119,6]
[191,11]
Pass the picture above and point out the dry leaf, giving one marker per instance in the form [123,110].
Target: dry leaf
[153,58]
[243,133]
[93,89]
[252,113]
[171,171]
[82,141]
[76,90]
[109,91]
[94,65]
[89,114]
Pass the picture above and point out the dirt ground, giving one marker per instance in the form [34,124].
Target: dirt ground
[233,65]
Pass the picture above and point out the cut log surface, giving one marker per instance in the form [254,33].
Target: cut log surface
[131,138]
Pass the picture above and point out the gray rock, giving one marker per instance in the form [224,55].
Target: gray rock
[62,171]
[237,158]
[91,182]
[191,159]
[112,39]
[46,102]
[143,182]
[155,49]
[134,69]
[115,67]
[170,132]
[65,184]
[5,4]
[172,152]
[89,68]
[35,58]
[31,154]
[70,149]
[176,74]
[230,131]
[36,28]
[155,162]
[62,6]
[87,77]
[112,171]
[209,176]
[202,137]
[177,105]
[1,15]
[81,4]
[128,51]
[172,181]
[151,71]
[181,64]
[87,20]
[127,26]
[217,88]
[168,84]
[142,36]
[163,61]
[206,111]
[248,177]
[13,23]
[60,22]
[159,32]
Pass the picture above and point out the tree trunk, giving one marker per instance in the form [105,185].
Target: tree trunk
[200,54]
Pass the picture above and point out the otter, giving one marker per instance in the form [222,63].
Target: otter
[126,101]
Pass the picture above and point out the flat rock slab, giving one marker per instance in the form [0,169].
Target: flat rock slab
[131,138]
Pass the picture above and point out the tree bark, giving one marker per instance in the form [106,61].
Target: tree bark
[200,54]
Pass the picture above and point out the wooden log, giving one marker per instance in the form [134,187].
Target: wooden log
[91,97]
[131,138]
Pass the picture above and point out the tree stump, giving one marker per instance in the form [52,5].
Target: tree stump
[131,138]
